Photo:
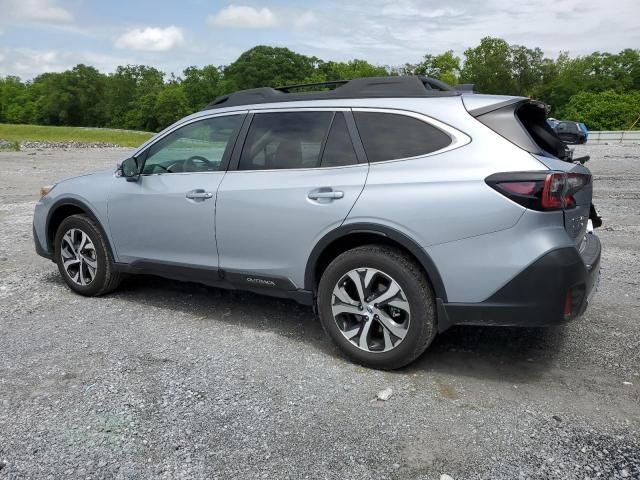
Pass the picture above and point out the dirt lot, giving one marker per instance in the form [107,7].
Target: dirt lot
[169,380]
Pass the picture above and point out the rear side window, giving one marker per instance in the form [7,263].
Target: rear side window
[389,136]
[285,140]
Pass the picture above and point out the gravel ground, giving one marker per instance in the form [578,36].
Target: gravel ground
[170,380]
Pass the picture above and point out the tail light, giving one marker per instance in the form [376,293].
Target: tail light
[540,190]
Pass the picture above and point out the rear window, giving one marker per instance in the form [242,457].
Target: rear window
[390,136]
[568,127]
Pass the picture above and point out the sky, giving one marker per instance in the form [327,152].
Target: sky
[39,36]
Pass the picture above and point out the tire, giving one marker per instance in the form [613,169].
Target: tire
[73,232]
[413,306]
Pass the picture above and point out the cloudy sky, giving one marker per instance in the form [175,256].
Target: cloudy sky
[52,35]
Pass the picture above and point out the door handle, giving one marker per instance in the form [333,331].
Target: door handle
[331,194]
[199,195]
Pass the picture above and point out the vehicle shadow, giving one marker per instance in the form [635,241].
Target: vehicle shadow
[516,355]
[509,354]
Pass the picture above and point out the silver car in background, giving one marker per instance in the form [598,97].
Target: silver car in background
[395,206]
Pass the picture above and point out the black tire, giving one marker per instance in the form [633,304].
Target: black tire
[106,278]
[417,290]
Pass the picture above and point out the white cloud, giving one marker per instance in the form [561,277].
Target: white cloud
[393,32]
[152,39]
[36,11]
[28,63]
[409,8]
[240,16]
[304,19]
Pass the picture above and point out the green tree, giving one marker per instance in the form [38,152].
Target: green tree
[597,72]
[132,92]
[16,103]
[527,69]
[445,67]
[171,105]
[265,66]
[74,97]
[351,69]
[201,86]
[608,110]
[489,66]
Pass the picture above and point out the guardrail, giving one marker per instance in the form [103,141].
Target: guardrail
[611,137]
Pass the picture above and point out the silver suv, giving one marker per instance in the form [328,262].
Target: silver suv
[396,206]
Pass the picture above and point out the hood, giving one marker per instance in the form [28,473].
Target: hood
[108,172]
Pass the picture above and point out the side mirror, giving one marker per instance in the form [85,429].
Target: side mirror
[129,169]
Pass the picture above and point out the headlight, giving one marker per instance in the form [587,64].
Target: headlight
[46,189]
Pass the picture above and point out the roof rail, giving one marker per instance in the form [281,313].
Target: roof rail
[370,87]
[333,83]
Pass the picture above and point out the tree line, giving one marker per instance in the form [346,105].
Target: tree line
[600,89]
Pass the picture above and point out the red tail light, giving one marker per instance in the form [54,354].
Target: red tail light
[553,191]
[519,188]
[540,190]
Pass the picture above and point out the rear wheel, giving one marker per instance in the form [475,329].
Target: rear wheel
[82,255]
[377,305]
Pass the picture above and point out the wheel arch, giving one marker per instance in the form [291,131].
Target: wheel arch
[350,236]
[64,208]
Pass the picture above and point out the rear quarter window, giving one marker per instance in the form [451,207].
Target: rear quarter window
[391,136]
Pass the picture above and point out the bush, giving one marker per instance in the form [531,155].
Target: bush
[608,110]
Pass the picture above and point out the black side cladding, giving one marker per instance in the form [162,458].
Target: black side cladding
[524,124]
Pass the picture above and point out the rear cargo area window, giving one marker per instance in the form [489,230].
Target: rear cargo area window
[390,136]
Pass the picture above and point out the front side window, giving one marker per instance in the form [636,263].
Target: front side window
[285,140]
[390,136]
[197,147]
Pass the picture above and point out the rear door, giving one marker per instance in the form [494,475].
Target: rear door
[295,178]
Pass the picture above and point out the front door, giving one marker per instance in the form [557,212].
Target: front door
[297,178]
[168,215]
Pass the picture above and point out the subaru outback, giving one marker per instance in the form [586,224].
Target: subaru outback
[396,207]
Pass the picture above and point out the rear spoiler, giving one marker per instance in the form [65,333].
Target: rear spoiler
[476,112]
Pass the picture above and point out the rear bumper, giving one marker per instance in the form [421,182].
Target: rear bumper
[538,295]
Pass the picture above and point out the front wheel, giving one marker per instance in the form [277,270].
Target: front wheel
[82,255]
[378,306]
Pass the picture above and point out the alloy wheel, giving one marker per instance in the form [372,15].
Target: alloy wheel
[79,257]
[371,310]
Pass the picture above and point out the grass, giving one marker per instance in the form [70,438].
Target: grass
[38,133]
[9,146]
